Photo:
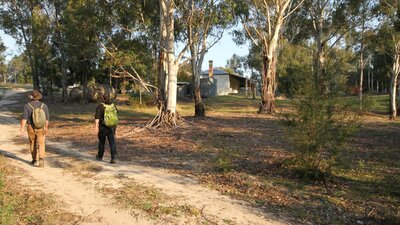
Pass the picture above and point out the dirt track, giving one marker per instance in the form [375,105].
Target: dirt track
[81,195]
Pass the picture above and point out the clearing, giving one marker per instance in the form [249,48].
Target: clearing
[94,192]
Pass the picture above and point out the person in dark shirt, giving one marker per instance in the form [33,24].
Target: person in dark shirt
[104,132]
[36,135]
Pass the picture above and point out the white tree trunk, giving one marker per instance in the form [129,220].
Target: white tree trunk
[172,87]
[270,58]
[163,64]
[172,64]
[393,81]
[362,66]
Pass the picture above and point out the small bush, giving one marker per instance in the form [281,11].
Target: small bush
[224,160]
[368,103]
[318,132]
[138,101]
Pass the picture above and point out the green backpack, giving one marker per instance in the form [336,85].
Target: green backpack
[38,116]
[110,115]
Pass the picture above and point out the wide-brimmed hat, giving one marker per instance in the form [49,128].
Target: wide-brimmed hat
[35,95]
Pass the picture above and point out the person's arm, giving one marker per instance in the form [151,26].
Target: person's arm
[23,123]
[24,118]
[46,126]
[96,126]
[97,119]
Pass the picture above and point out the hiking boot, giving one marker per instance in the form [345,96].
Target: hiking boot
[41,162]
[34,161]
[98,158]
[113,161]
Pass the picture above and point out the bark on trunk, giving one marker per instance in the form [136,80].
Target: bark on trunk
[392,97]
[172,65]
[267,104]
[320,69]
[162,56]
[360,93]
[393,82]
[199,109]
[253,89]
[320,57]
[64,82]
[196,62]
[85,84]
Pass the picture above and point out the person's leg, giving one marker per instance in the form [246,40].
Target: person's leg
[32,143]
[113,146]
[40,137]
[102,140]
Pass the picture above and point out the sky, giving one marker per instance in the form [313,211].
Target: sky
[219,53]
[224,50]
[9,42]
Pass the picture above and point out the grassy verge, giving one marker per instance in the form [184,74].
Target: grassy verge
[24,206]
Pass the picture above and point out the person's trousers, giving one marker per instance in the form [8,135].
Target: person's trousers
[109,133]
[36,142]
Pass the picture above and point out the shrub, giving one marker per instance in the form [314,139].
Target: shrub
[318,131]
[224,160]
[146,99]
[368,103]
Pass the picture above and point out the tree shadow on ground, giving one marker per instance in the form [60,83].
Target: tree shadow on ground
[10,155]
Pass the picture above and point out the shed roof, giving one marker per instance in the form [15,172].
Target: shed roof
[219,71]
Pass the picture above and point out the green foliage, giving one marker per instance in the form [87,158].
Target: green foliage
[224,160]
[137,100]
[3,66]
[293,68]
[369,103]
[185,73]
[237,64]
[318,131]
[18,67]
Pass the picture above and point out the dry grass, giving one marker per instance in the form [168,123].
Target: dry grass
[152,201]
[20,205]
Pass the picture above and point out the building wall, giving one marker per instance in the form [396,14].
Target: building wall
[223,84]
[207,88]
[235,85]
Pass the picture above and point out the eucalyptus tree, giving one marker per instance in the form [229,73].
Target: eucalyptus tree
[81,33]
[133,28]
[205,21]
[264,23]
[363,10]
[331,21]
[168,68]
[390,21]
[56,11]
[26,22]
[19,68]
[3,70]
